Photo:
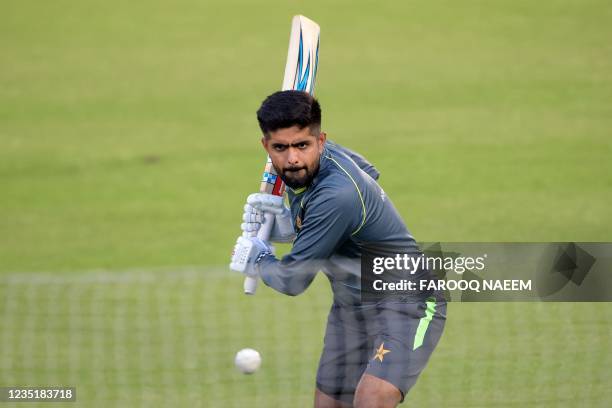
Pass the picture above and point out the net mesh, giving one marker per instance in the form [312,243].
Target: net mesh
[144,338]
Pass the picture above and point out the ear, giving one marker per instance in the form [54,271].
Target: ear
[264,143]
[321,140]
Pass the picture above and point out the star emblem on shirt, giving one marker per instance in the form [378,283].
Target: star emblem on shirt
[380,352]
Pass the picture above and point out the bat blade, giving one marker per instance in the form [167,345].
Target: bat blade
[302,56]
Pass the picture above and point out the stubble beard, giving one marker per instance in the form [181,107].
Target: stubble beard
[298,177]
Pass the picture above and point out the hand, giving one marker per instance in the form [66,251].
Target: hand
[260,205]
[247,254]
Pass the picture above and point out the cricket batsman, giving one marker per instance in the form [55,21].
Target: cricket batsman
[374,350]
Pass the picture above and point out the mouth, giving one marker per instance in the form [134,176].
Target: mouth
[294,170]
[295,177]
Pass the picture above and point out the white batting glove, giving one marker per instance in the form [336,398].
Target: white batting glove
[248,252]
[260,205]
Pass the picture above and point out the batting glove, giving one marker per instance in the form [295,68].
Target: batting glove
[261,205]
[248,253]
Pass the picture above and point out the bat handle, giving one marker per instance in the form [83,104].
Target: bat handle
[250,283]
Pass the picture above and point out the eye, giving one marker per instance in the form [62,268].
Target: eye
[279,147]
[302,145]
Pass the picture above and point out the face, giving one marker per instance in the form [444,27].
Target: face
[295,154]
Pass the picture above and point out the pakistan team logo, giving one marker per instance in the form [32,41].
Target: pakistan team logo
[298,222]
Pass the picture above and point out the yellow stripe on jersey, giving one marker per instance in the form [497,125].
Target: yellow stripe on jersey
[363,207]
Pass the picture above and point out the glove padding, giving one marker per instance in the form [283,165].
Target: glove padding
[260,205]
[247,254]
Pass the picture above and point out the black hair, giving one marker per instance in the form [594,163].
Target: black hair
[284,109]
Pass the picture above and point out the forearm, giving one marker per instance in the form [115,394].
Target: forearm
[287,276]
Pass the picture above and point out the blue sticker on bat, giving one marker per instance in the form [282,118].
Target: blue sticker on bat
[302,79]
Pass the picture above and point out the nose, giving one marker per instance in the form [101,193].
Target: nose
[293,157]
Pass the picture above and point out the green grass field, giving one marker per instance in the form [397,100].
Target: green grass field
[128,143]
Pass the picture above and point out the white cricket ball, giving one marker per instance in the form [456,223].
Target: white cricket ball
[247,361]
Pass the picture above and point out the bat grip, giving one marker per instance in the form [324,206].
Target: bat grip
[250,283]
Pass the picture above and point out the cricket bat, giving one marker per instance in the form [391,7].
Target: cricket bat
[300,74]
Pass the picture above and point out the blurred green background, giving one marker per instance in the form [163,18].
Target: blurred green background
[128,143]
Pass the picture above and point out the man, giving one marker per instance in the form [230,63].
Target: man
[374,350]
